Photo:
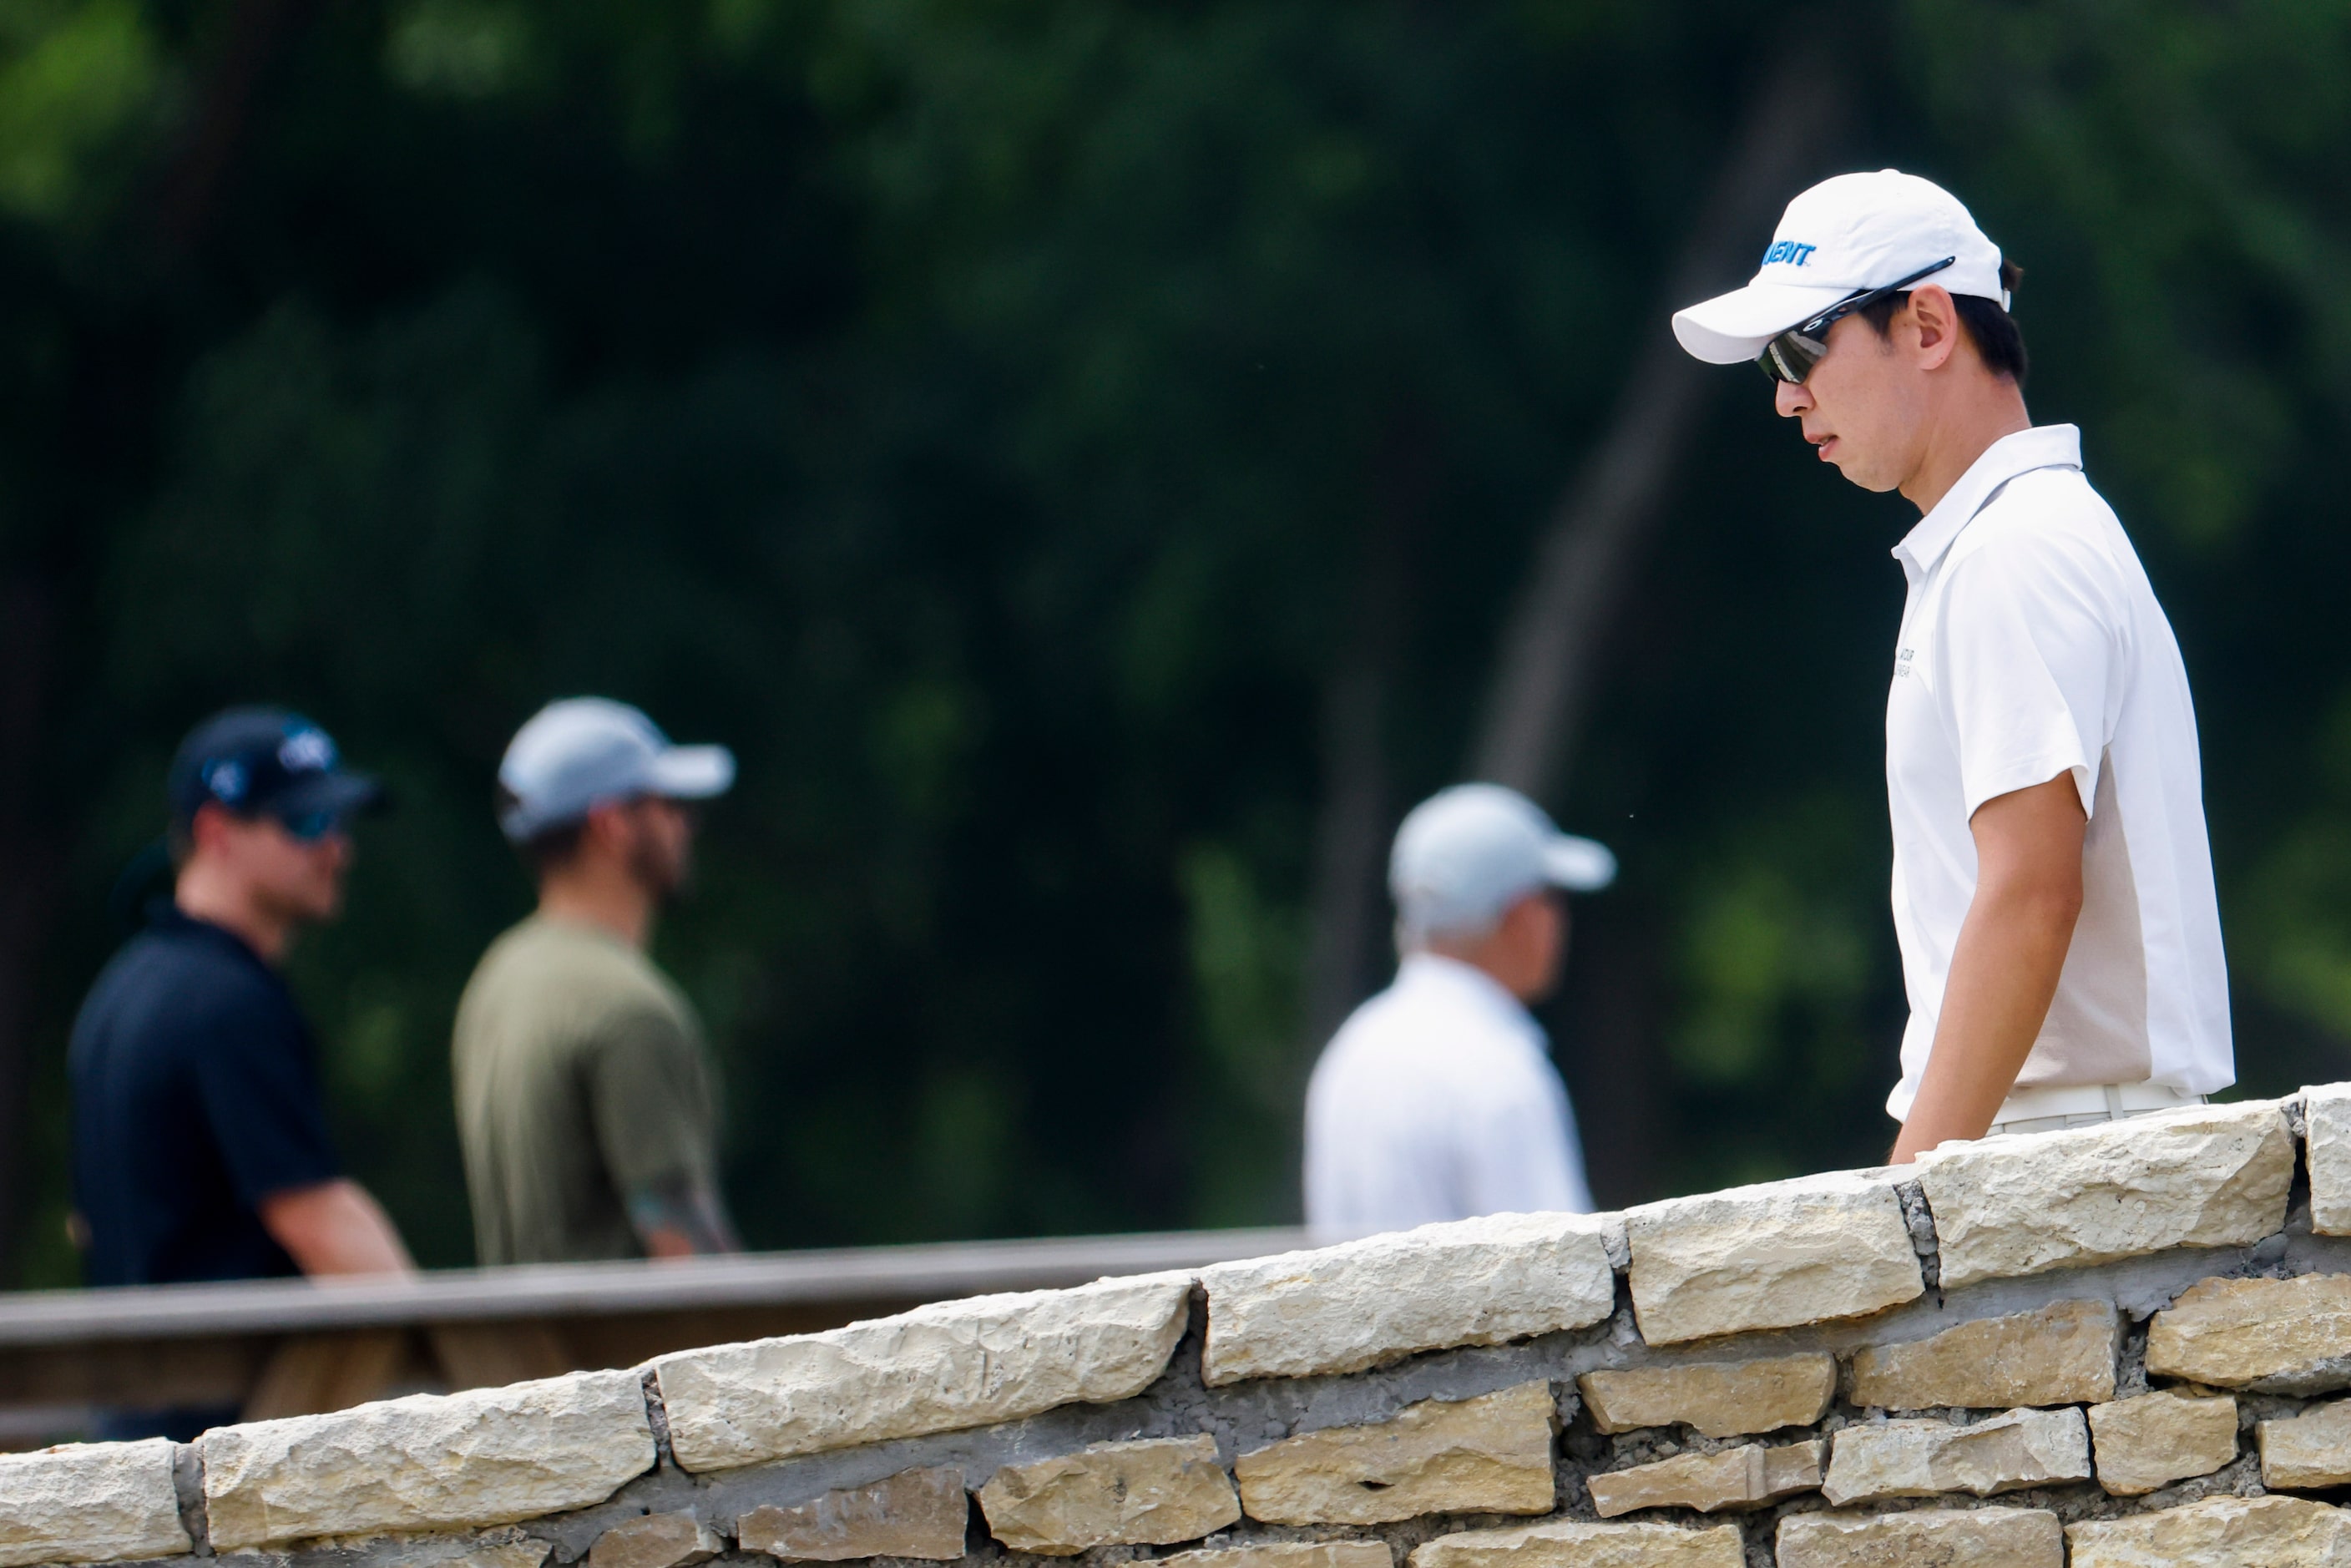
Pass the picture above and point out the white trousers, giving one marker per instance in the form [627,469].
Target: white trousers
[2050,1110]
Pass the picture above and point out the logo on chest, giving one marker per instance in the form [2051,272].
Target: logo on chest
[1902,663]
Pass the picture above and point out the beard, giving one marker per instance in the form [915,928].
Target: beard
[660,870]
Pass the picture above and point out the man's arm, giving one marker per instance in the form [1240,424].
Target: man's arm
[2005,964]
[335,1227]
[680,1217]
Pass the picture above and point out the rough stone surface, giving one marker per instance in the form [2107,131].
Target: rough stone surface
[915,1513]
[1572,1543]
[1920,1458]
[2062,1353]
[2307,1451]
[1744,1476]
[2274,1336]
[2155,1439]
[935,1369]
[1488,1455]
[1719,1398]
[1340,1309]
[488,1456]
[90,1502]
[1288,1555]
[1152,1493]
[1769,1257]
[491,1549]
[2326,1152]
[656,1540]
[1926,1538]
[2205,1176]
[2218,1533]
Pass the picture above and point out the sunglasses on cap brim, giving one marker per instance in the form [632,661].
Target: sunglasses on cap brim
[1790,356]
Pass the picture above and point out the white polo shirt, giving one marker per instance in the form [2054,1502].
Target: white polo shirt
[2032,645]
[1438,1100]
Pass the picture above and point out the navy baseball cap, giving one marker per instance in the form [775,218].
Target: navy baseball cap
[267,762]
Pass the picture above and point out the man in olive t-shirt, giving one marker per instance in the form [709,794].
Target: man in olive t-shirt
[583,1087]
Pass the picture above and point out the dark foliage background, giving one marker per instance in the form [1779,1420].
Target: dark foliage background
[981,413]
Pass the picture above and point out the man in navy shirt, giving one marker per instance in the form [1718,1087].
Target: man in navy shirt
[200,1140]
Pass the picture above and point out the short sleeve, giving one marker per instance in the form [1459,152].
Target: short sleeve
[256,1074]
[649,1095]
[1520,1153]
[2024,658]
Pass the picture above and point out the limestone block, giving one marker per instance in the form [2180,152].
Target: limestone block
[1719,1398]
[655,1541]
[1769,1257]
[2274,1336]
[2326,1149]
[915,1513]
[2204,1175]
[1287,1554]
[1488,1455]
[2062,1353]
[2307,1451]
[1150,1493]
[488,1456]
[935,1369]
[1920,1458]
[1341,1309]
[492,1549]
[1572,1543]
[2218,1533]
[1745,1477]
[2155,1439]
[90,1502]
[1928,1537]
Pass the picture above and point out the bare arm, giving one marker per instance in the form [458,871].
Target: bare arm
[335,1227]
[2004,967]
[681,1217]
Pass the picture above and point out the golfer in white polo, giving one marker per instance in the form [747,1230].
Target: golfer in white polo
[2052,885]
[1437,1099]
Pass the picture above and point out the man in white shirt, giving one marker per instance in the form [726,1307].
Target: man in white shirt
[1437,1099]
[2053,881]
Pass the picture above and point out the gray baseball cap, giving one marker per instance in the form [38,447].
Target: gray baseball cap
[582,751]
[1466,855]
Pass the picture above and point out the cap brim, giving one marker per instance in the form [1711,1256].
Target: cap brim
[344,794]
[1732,327]
[692,772]
[1579,865]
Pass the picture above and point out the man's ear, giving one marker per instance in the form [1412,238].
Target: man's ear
[207,826]
[607,825]
[1935,321]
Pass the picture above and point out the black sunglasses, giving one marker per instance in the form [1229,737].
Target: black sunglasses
[309,827]
[1790,356]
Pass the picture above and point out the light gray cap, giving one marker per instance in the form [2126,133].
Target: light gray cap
[1466,855]
[579,752]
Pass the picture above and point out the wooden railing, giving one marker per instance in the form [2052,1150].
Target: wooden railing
[282,1347]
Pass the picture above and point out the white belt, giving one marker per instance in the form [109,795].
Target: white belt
[2087,1100]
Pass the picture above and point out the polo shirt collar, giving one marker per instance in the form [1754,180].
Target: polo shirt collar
[2043,446]
[1435,971]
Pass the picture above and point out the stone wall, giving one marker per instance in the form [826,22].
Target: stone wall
[2109,1346]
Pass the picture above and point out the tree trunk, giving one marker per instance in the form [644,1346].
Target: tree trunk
[1592,543]
[1351,839]
[1584,568]
[29,874]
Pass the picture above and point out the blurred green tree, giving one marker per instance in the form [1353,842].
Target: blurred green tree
[1085,457]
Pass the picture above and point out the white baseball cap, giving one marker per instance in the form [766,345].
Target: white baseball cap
[1844,237]
[1466,855]
[579,752]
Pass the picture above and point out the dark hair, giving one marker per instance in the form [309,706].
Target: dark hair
[1998,341]
[549,850]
